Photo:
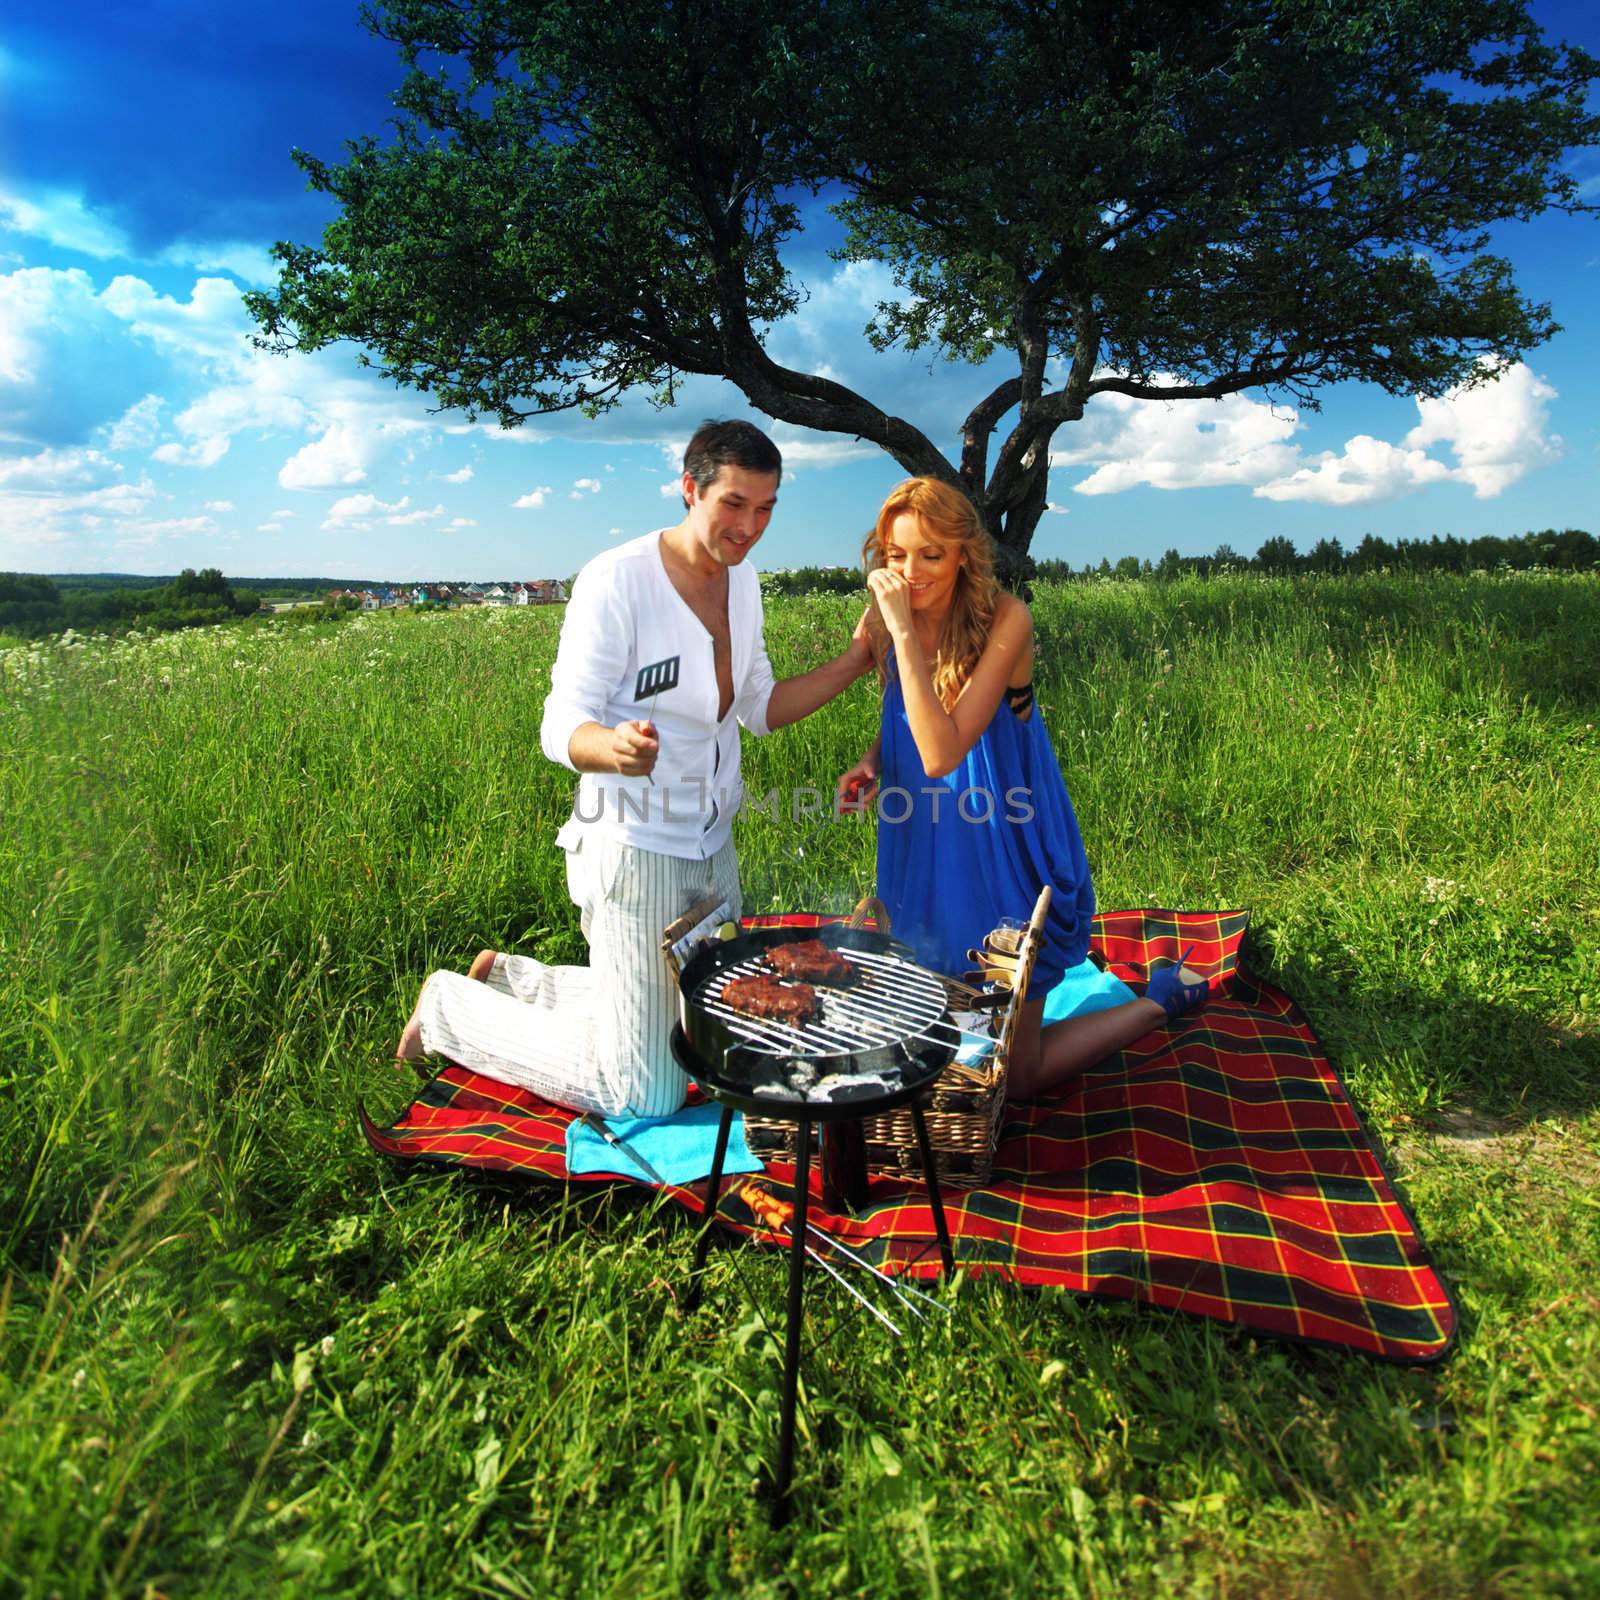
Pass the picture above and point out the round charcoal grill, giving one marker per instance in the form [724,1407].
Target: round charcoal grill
[888,1034]
[880,1042]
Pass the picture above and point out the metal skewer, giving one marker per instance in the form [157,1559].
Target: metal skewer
[854,1293]
[896,1287]
[769,1212]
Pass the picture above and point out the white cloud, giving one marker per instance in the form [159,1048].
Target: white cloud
[533,500]
[522,434]
[247,261]
[609,467]
[52,496]
[67,368]
[61,218]
[818,450]
[205,452]
[613,533]
[1495,431]
[120,499]
[799,448]
[1060,511]
[338,457]
[1177,444]
[355,510]
[1369,469]
[55,322]
[221,507]
[463,476]
[212,422]
[57,469]
[462,522]
[412,518]
[210,325]
[172,525]
[583,486]
[672,490]
[137,427]
[80,364]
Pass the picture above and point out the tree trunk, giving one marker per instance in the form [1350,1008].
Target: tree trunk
[1012,531]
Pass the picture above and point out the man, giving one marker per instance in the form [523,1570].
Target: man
[661,661]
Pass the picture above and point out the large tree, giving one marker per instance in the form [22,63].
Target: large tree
[1164,200]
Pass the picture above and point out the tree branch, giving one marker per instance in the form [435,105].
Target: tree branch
[1024,452]
[1227,383]
[980,424]
[806,399]
[813,402]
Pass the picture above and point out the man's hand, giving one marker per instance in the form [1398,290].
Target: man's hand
[634,748]
[860,651]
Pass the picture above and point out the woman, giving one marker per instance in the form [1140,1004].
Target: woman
[973,815]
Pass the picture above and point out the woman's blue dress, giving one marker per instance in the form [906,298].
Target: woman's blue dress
[958,853]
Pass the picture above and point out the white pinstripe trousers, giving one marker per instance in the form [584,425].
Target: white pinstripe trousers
[591,1038]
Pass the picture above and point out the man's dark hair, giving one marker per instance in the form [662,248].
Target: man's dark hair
[716,445]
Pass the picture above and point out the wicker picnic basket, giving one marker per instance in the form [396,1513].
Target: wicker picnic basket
[963,1109]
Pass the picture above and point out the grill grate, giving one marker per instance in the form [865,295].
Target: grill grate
[893,1000]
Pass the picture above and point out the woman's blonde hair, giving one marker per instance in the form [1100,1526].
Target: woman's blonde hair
[950,519]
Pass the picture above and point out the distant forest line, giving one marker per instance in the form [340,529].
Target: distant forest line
[1566,550]
[33,605]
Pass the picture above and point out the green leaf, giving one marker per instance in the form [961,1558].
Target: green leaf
[486,1463]
[883,1454]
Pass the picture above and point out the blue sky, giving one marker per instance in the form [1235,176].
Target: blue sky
[145,171]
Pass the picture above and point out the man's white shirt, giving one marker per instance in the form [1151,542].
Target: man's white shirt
[625,627]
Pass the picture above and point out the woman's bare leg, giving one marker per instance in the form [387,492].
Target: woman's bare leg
[410,1045]
[1043,1059]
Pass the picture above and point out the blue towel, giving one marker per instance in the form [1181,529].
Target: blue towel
[679,1147]
[1083,989]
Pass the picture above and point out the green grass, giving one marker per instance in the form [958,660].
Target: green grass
[238,1352]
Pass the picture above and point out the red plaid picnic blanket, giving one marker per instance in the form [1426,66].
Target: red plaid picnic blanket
[1218,1167]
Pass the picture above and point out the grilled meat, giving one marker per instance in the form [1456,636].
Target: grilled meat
[794,1003]
[811,961]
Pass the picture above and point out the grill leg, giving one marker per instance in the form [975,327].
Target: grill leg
[709,1211]
[930,1176]
[791,1341]
[843,1160]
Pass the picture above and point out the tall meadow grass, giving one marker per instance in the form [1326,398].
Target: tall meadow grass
[237,1349]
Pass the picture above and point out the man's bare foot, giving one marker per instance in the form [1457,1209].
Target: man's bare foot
[410,1045]
[482,966]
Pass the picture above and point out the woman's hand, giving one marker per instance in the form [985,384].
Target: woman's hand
[858,786]
[893,596]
